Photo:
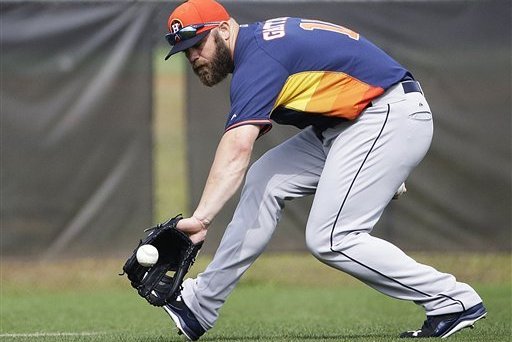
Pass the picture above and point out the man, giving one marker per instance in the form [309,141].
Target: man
[365,125]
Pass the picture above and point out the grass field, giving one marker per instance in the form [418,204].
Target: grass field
[281,298]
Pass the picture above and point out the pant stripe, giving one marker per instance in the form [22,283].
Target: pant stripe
[355,177]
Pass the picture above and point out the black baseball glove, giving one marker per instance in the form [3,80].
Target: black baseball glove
[176,253]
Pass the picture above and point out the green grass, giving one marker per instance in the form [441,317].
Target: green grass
[254,312]
[276,301]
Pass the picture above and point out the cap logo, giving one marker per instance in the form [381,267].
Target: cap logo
[175,26]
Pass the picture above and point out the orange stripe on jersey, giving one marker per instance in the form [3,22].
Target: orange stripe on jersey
[327,93]
[266,124]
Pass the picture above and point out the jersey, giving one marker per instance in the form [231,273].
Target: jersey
[304,72]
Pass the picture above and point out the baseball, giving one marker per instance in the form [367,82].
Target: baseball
[147,255]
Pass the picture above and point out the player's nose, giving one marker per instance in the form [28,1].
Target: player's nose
[192,55]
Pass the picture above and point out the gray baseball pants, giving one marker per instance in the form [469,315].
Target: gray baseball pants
[354,170]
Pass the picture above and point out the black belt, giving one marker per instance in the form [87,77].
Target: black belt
[411,87]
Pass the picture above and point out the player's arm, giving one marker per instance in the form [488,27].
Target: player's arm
[226,174]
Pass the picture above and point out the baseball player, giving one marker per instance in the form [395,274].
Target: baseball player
[365,125]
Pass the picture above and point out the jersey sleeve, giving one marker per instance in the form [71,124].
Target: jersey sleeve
[255,86]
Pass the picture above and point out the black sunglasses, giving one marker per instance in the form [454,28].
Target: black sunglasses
[187,32]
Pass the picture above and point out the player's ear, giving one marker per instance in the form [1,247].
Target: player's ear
[225,30]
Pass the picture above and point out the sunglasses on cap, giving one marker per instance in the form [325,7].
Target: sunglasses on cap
[187,32]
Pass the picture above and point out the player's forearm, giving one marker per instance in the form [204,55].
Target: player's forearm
[224,179]
[227,172]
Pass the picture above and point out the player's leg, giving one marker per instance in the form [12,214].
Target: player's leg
[367,161]
[290,170]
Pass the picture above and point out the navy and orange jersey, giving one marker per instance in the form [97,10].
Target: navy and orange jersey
[305,72]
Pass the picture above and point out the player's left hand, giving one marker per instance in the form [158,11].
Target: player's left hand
[194,228]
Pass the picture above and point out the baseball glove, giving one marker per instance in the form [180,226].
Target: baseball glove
[176,253]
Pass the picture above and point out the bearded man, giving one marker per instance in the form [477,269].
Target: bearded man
[365,125]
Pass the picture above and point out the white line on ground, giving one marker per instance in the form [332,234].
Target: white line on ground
[50,334]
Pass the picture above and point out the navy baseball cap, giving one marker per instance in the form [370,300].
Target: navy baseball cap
[190,22]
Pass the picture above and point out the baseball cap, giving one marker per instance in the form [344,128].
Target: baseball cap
[197,18]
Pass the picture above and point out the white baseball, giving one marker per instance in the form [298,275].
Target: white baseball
[147,255]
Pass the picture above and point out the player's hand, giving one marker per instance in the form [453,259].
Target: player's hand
[194,228]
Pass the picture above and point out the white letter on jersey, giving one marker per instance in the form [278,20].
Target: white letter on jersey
[274,28]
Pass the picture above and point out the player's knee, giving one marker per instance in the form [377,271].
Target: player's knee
[318,245]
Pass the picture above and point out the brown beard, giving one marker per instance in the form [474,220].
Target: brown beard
[219,67]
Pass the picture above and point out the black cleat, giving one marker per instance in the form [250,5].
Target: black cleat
[185,320]
[446,325]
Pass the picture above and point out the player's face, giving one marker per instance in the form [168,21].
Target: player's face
[210,59]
